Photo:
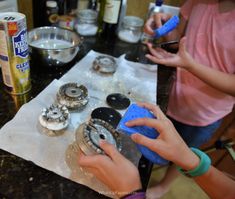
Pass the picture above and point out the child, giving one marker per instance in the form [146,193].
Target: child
[203,92]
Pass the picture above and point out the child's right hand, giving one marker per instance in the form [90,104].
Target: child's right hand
[155,21]
[169,143]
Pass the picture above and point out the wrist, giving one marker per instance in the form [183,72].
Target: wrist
[190,65]
[191,161]
[201,169]
[188,160]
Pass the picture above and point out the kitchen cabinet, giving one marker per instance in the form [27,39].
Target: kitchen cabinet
[25,7]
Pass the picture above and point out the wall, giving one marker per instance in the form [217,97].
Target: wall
[134,7]
[140,7]
[25,6]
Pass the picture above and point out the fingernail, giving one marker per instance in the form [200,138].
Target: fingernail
[133,136]
[102,142]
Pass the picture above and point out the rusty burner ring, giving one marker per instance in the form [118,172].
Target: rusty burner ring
[72,95]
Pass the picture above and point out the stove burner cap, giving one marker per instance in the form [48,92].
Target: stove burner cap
[88,136]
[118,101]
[72,95]
[54,118]
[108,115]
[105,64]
[73,92]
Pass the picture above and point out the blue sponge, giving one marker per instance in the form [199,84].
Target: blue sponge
[167,27]
[133,112]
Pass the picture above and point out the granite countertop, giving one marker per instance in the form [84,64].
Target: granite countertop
[23,179]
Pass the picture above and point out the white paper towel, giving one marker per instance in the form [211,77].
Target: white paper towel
[22,136]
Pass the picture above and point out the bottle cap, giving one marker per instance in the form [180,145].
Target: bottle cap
[158,2]
[51,4]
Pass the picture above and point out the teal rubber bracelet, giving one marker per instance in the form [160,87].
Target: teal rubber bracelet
[203,167]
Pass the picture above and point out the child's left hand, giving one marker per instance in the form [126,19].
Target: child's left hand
[113,169]
[182,59]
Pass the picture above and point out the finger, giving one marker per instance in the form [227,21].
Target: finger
[154,109]
[158,20]
[89,160]
[159,52]
[155,59]
[148,26]
[155,52]
[166,17]
[110,150]
[161,18]
[157,124]
[152,144]
[163,52]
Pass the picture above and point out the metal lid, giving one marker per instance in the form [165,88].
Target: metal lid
[107,114]
[51,4]
[88,15]
[11,16]
[118,101]
[133,21]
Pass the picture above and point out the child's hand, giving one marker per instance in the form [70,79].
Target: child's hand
[168,144]
[182,59]
[113,169]
[155,21]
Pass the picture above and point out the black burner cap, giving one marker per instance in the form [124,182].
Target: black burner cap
[108,115]
[118,101]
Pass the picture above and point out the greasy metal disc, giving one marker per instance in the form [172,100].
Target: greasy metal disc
[88,136]
[118,101]
[55,118]
[104,64]
[107,114]
[72,95]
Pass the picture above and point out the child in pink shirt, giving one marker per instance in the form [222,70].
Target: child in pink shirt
[204,90]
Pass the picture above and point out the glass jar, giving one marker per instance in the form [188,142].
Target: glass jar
[87,22]
[131,29]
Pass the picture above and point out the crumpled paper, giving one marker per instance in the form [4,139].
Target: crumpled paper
[22,135]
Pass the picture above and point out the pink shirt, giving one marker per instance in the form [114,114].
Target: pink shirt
[212,43]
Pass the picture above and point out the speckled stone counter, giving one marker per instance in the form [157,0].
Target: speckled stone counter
[23,179]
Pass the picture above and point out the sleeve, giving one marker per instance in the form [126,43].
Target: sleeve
[186,8]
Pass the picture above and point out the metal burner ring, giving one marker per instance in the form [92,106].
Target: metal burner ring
[88,136]
[72,95]
[55,118]
[104,64]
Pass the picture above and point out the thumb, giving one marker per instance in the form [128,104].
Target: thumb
[145,141]
[110,150]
